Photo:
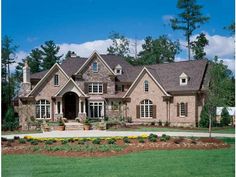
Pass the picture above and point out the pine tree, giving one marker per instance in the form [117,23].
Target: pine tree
[49,53]
[225,117]
[189,19]
[198,47]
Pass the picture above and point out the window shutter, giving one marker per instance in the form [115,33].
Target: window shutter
[85,87]
[104,87]
[154,111]
[137,111]
[186,109]
[177,109]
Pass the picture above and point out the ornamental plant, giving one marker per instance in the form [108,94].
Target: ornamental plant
[152,138]
[22,141]
[126,140]
[111,141]
[96,141]
[141,139]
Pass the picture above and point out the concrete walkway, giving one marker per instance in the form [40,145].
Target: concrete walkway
[104,133]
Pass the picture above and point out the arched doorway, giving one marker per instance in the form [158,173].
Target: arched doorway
[69,105]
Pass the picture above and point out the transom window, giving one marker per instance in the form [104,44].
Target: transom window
[146,86]
[43,109]
[95,67]
[146,109]
[96,109]
[182,109]
[96,88]
[56,80]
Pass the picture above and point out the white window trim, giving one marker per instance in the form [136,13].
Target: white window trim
[144,86]
[116,71]
[95,71]
[102,111]
[184,83]
[180,112]
[98,85]
[149,104]
[40,113]
[57,80]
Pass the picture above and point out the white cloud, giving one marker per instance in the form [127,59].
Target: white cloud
[18,58]
[230,63]
[166,18]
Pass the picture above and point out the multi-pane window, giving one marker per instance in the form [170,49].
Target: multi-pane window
[146,86]
[95,88]
[146,109]
[56,80]
[119,88]
[95,67]
[43,109]
[96,109]
[182,109]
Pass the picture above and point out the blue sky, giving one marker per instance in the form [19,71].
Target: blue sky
[31,22]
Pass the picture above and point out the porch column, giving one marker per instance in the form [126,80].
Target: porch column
[80,105]
[84,109]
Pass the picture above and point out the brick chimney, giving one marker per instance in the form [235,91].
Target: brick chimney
[26,73]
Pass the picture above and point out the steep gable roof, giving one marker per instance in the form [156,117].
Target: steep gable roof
[138,79]
[55,66]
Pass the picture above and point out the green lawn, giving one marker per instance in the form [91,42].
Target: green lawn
[229,130]
[176,163]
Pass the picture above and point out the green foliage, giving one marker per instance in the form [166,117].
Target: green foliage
[96,141]
[126,140]
[189,19]
[10,122]
[204,117]
[64,142]
[49,53]
[231,28]
[158,50]
[120,45]
[140,139]
[152,137]
[34,142]
[198,46]
[22,141]
[49,142]
[225,117]
[165,137]
[160,122]
[111,141]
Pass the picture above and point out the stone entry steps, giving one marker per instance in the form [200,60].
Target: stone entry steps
[74,126]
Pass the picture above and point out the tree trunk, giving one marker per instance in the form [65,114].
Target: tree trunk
[188,47]
[9,85]
[209,127]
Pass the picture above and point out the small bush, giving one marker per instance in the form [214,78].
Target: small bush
[34,142]
[141,139]
[64,141]
[225,117]
[111,141]
[152,137]
[4,139]
[167,124]
[36,148]
[96,141]
[71,140]
[152,123]
[49,142]
[22,141]
[16,137]
[126,140]
[10,122]
[165,137]
[160,123]
[81,141]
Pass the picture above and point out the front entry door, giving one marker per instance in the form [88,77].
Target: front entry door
[70,105]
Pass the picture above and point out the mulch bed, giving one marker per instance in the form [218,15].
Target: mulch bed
[172,144]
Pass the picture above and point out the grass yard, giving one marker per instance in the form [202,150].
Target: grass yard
[164,163]
[229,130]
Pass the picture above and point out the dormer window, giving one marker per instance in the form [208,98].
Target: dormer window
[183,79]
[118,70]
[95,67]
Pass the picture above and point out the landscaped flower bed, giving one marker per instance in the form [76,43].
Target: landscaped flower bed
[105,146]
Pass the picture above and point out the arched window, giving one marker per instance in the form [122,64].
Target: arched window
[43,109]
[146,109]
[146,86]
[95,66]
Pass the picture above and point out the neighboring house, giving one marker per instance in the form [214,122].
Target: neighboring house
[106,85]
[231,111]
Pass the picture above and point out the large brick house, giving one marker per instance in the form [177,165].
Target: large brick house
[106,85]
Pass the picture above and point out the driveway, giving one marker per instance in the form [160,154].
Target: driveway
[104,133]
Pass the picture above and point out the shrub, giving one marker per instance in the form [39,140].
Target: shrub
[160,123]
[141,139]
[22,141]
[10,122]
[165,137]
[152,137]
[152,123]
[126,139]
[167,124]
[16,137]
[225,117]
[96,141]
[111,141]
[49,142]
[82,141]
[34,142]
[64,141]
[4,139]
[204,117]
[71,140]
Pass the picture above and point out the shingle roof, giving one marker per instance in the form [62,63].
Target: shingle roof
[166,74]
